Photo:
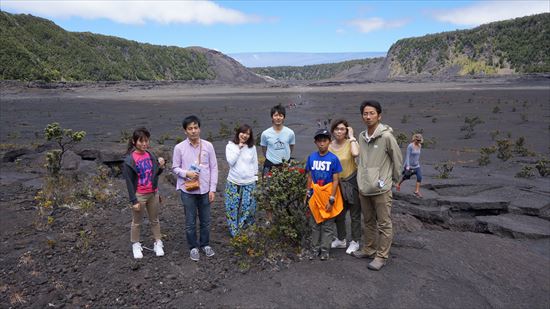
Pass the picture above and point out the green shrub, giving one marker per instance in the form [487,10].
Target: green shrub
[504,149]
[65,139]
[526,172]
[124,136]
[520,149]
[225,132]
[469,126]
[163,138]
[543,166]
[282,192]
[485,152]
[444,169]
[401,139]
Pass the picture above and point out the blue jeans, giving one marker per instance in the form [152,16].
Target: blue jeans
[191,204]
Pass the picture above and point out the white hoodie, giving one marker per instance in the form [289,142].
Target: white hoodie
[243,164]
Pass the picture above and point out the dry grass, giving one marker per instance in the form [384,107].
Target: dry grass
[16,298]
[25,259]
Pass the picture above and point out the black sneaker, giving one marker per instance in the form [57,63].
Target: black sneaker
[324,255]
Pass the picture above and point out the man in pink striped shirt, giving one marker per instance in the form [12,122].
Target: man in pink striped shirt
[194,158]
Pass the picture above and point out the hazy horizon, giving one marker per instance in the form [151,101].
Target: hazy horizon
[271,59]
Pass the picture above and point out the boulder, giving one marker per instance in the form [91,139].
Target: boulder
[111,156]
[12,155]
[89,154]
[71,161]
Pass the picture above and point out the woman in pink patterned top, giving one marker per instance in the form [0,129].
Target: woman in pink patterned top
[141,169]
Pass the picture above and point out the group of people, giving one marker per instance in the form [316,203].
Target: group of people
[344,174]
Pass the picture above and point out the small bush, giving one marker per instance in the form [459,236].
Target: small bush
[210,136]
[526,172]
[496,110]
[65,139]
[504,149]
[163,138]
[429,143]
[543,166]
[444,169]
[520,149]
[125,136]
[224,132]
[485,152]
[283,193]
[401,139]
[469,126]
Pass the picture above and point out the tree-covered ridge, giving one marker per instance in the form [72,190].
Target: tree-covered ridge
[520,45]
[311,72]
[33,48]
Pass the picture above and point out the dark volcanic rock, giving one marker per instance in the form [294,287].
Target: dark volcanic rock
[517,226]
[12,155]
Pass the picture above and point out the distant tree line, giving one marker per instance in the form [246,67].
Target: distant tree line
[311,72]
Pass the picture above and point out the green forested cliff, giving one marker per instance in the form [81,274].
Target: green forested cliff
[520,45]
[33,48]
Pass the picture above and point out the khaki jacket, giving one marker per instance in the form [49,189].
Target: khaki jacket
[379,161]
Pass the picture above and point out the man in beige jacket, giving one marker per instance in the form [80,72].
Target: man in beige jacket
[378,168]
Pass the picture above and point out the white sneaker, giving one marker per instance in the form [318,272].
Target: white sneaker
[136,248]
[338,244]
[194,254]
[208,251]
[353,246]
[158,248]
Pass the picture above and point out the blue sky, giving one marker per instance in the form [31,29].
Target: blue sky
[274,26]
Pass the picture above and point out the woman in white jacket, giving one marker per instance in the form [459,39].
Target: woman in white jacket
[240,204]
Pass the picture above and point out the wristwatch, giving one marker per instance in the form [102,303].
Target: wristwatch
[331,199]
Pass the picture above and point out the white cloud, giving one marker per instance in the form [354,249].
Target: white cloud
[135,12]
[367,25]
[489,11]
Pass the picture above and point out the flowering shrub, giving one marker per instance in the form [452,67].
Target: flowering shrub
[282,192]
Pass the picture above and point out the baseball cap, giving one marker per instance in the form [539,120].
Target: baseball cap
[322,132]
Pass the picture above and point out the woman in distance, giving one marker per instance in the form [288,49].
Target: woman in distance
[411,164]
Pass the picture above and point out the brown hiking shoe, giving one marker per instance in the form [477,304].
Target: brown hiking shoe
[377,264]
[360,254]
